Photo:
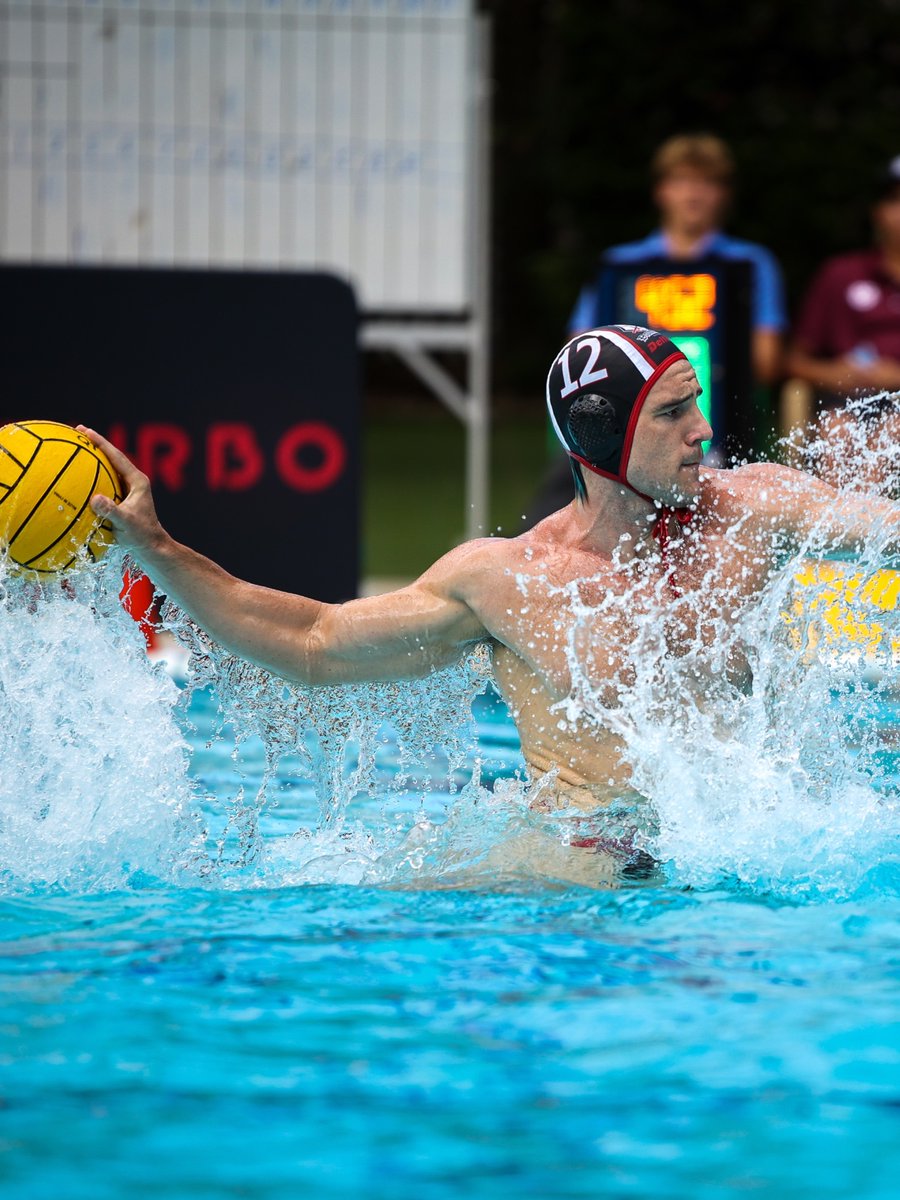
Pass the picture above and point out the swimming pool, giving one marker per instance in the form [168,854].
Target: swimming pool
[314,1005]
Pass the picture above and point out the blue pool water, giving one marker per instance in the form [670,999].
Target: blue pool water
[208,992]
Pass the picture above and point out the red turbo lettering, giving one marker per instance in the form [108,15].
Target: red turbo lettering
[309,457]
[328,448]
[234,461]
[162,452]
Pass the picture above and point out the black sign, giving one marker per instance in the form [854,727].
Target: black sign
[237,393]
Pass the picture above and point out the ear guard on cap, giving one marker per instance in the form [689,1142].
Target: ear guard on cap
[594,428]
[597,428]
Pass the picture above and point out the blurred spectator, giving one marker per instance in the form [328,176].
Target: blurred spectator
[847,334]
[693,179]
[692,185]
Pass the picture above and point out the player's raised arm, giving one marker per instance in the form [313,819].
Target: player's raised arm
[798,505]
[402,634]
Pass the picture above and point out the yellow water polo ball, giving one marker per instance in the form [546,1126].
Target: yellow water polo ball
[48,473]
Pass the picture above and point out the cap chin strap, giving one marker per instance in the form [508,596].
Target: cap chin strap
[609,475]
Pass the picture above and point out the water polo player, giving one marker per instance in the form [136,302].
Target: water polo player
[650,534]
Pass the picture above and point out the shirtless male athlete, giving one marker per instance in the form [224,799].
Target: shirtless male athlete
[649,524]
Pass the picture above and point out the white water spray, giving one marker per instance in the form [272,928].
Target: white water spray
[786,786]
[94,786]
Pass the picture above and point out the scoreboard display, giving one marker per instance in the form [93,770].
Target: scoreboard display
[704,307]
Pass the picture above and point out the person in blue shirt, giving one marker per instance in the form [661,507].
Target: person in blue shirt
[693,180]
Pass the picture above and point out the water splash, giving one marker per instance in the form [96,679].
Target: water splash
[348,741]
[405,754]
[855,446]
[94,785]
[786,787]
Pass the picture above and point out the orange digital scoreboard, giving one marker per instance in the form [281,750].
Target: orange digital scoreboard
[704,307]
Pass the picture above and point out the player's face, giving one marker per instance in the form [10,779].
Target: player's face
[691,200]
[668,440]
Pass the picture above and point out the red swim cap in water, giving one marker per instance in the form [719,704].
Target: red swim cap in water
[596,388]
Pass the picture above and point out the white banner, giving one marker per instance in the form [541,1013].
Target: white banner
[285,134]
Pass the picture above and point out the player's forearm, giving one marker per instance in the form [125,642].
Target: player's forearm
[866,525]
[276,630]
[269,628]
[402,636]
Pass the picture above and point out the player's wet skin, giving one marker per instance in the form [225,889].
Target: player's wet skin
[710,570]
[653,534]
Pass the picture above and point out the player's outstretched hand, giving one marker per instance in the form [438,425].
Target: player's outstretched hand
[134,520]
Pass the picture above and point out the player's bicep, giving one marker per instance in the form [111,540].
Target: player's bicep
[402,634]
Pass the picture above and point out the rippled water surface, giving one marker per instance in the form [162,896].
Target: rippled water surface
[256,1037]
[259,942]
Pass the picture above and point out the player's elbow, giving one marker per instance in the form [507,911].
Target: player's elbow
[314,666]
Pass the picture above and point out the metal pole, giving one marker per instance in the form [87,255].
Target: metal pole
[478,447]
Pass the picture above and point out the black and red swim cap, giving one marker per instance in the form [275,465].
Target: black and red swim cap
[596,389]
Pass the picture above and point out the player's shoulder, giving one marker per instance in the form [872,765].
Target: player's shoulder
[750,476]
[472,560]
[486,560]
[752,487]
[483,574]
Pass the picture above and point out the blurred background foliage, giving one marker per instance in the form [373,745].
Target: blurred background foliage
[807,94]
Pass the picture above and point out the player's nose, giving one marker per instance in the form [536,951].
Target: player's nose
[701,430]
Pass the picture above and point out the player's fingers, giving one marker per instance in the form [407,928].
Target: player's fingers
[103,506]
[123,465]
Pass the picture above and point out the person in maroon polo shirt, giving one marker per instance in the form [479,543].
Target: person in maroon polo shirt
[846,340]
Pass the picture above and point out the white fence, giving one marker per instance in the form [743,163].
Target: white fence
[340,135]
[327,134]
